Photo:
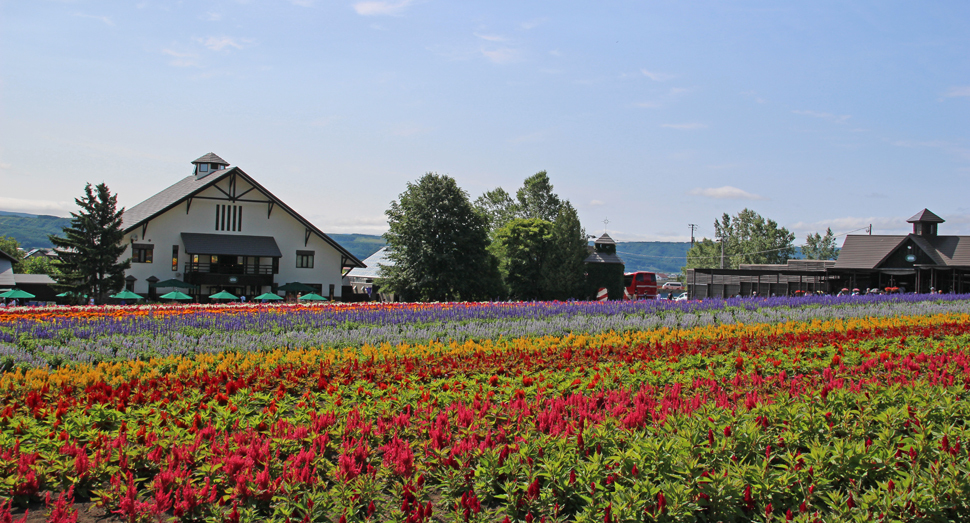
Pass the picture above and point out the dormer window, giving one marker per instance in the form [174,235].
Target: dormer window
[203,167]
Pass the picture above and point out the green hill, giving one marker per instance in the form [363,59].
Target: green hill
[360,245]
[666,257]
[31,230]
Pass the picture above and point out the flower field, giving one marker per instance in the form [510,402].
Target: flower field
[774,410]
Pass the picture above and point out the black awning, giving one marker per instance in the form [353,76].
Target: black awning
[230,245]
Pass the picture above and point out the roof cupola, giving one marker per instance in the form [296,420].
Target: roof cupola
[208,164]
[924,223]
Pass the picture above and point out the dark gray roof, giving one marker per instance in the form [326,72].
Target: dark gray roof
[167,199]
[601,257]
[925,216]
[866,252]
[230,244]
[605,240]
[7,256]
[35,279]
[211,158]
[372,262]
[190,186]
[954,251]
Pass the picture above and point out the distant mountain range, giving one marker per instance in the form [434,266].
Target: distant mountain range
[31,231]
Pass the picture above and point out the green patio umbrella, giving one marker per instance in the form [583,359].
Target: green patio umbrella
[17,294]
[126,295]
[296,287]
[312,297]
[175,295]
[68,294]
[268,296]
[223,296]
[173,283]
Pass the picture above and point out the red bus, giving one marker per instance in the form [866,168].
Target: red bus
[640,286]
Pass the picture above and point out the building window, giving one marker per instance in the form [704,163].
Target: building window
[175,257]
[141,253]
[229,218]
[304,259]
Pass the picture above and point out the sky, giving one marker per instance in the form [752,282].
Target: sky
[647,115]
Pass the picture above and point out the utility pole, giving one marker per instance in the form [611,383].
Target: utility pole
[722,253]
[693,227]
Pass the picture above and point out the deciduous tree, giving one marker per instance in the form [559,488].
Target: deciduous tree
[89,252]
[523,247]
[438,243]
[747,237]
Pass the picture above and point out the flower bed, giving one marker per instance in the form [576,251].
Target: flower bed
[841,414]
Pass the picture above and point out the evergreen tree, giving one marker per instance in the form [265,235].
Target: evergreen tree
[439,245]
[88,253]
[565,276]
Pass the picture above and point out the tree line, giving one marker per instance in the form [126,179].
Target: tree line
[749,238]
[444,247]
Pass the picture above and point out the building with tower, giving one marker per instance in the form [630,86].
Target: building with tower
[220,229]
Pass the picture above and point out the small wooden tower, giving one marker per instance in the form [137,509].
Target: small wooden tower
[604,269]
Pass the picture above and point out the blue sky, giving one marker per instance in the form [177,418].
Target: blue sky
[652,115]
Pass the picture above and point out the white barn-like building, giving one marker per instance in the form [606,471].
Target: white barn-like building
[221,230]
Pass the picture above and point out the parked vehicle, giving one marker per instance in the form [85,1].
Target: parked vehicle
[673,285]
[640,286]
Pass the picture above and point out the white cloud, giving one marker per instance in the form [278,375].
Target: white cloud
[182,59]
[359,225]
[531,24]
[853,225]
[726,193]
[218,43]
[685,126]
[648,105]
[657,77]
[502,56]
[104,19]
[378,8]
[596,203]
[842,118]
[5,166]
[302,3]
[678,90]
[963,90]
[36,206]
[212,17]
[491,38]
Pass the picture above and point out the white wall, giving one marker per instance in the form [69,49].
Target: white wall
[164,231]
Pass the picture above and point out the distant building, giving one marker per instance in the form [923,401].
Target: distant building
[917,262]
[604,269]
[7,281]
[367,280]
[40,285]
[220,229]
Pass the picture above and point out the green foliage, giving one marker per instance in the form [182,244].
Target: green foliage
[37,265]
[748,238]
[566,274]
[818,247]
[91,246]
[439,245]
[523,246]
[534,200]
[498,208]
[10,246]
[32,231]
